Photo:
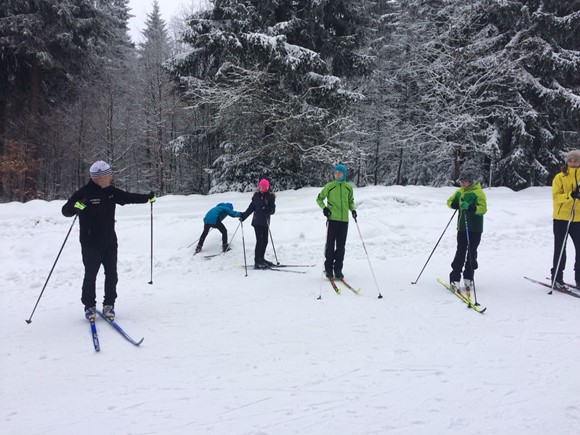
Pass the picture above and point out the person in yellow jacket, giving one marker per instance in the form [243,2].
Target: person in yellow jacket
[471,202]
[339,201]
[565,197]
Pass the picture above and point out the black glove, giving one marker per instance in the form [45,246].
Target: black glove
[243,217]
[455,205]
[326,211]
[354,214]
[575,194]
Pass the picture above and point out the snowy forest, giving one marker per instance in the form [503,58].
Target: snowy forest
[401,92]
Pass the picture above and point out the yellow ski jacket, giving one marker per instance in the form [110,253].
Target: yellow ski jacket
[562,187]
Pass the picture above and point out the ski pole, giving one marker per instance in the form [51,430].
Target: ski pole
[151,281]
[273,247]
[50,273]
[325,245]
[436,244]
[368,258]
[244,248]
[232,239]
[469,257]
[563,247]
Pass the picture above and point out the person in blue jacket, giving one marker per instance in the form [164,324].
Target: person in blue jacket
[213,219]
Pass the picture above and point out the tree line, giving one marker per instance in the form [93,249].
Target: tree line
[402,92]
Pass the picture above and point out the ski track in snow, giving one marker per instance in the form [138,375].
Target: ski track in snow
[229,354]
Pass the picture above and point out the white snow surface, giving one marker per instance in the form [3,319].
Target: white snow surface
[230,354]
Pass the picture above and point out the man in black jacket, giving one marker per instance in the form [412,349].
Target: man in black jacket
[95,204]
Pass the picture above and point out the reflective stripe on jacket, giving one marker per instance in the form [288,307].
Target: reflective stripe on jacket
[339,199]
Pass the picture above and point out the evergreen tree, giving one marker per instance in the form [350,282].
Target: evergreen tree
[156,96]
[267,72]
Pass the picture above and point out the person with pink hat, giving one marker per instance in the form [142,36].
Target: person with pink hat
[263,205]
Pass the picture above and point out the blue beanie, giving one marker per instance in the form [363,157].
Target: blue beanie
[342,169]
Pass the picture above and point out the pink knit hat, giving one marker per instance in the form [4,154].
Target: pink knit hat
[264,183]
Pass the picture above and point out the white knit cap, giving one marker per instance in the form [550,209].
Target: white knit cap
[574,154]
[100,169]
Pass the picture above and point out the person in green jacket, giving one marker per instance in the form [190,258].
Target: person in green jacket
[339,201]
[470,200]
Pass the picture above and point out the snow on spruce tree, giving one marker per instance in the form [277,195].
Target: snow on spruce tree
[266,78]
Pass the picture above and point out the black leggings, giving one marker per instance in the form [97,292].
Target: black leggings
[261,242]
[93,257]
[469,264]
[220,227]
[559,233]
[336,233]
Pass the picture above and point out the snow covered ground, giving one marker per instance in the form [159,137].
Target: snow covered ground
[229,354]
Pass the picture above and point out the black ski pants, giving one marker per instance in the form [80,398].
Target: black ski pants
[559,240]
[261,242]
[465,256]
[93,257]
[336,233]
[220,227]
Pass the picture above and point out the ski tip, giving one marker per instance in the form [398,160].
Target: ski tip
[137,343]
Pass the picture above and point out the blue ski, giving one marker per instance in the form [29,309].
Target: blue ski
[120,330]
[95,336]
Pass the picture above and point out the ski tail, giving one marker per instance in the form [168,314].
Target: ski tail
[96,343]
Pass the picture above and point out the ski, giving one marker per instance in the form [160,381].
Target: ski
[356,291]
[549,285]
[569,284]
[275,269]
[334,286]
[463,298]
[120,330]
[294,265]
[95,336]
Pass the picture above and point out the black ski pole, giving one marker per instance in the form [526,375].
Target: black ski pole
[151,281]
[244,248]
[273,247]
[563,247]
[232,239]
[57,257]
[436,244]
[368,258]
[469,257]
[325,244]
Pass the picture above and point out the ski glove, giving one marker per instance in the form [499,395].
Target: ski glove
[326,211]
[455,205]
[243,217]
[80,205]
[575,194]
[354,214]
[151,197]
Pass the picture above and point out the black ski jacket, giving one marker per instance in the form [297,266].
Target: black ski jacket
[263,205]
[97,221]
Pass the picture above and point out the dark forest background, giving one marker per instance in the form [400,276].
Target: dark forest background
[402,92]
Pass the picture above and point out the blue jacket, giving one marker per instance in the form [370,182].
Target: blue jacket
[219,213]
